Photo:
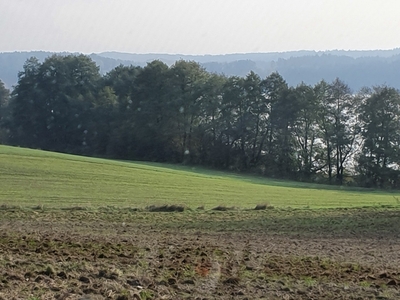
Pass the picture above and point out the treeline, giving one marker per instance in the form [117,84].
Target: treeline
[184,114]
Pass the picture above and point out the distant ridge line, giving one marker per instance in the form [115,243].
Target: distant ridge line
[358,68]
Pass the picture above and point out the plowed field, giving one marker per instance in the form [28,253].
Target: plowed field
[111,253]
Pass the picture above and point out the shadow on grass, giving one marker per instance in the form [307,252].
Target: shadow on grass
[262,180]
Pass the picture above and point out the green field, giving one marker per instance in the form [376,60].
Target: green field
[33,177]
[64,221]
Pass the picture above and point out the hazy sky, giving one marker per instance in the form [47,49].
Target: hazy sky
[198,26]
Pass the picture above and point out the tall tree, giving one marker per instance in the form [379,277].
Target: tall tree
[283,110]
[187,81]
[234,120]
[52,102]
[244,111]
[122,80]
[307,133]
[4,96]
[346,127]
[103,120]
[120,84]
[379,161]
[338,124]
[152,114]
[27,122]
[211,125]
[4,114]
[257,111]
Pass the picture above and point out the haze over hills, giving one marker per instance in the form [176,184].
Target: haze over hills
[270,56]
[356,68]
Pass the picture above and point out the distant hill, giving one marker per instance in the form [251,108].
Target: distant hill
[357,68]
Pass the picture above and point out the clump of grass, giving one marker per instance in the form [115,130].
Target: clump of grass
[38,207]
[132,209]
[49,271]
[165,208]
[263,206]
[8,207]
[223,208]
[232,281]
[75,208]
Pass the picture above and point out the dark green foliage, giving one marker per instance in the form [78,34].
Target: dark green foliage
[52,103]
[4,112]
[338,127]
[307,133]
[4,96]
[183,114]
[379,159]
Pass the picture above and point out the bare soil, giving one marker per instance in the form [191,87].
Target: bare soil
[128,254]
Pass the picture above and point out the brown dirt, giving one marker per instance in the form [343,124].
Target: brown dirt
[91,255]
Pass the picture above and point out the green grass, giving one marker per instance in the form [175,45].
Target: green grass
[33,177]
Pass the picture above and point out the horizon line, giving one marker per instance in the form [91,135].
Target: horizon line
[206,54]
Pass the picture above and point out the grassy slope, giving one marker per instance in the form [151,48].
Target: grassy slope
[33,177]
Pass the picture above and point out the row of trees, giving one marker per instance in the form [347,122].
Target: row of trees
[184,114]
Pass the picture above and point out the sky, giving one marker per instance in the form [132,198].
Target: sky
[198,26]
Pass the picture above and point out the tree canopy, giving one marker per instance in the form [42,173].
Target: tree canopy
[184,114]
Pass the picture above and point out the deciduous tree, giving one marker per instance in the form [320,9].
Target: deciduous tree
[379,160]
